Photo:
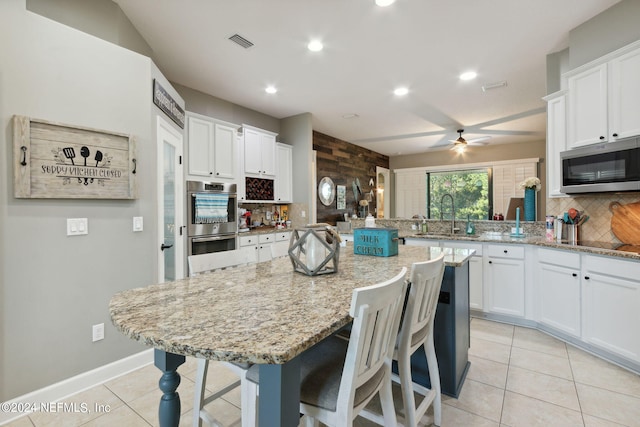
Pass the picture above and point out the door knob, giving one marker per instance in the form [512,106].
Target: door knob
[163,246]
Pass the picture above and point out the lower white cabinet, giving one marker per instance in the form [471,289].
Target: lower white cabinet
[268,245]
[612,305]
[558,290]
[281,245]
[505,279]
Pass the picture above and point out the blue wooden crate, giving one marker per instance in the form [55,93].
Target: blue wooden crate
[375,241]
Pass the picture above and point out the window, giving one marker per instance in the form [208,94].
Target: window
[471,191]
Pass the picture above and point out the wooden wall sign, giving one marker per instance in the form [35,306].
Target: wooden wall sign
[58,161]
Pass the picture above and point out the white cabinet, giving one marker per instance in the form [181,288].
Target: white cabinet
[558,290]
[604,98]
[556,141]
[284,175]
[505,279]
[268,245]
[212,148]
[624,95]
[476,269]
[281,245]
[611,313]
[588,106]
[259,152]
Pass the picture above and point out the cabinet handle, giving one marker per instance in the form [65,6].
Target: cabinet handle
[490,262]
[586,277]
[574,274]
[615,135]
[505,251]
[217,173]
[210,173]
[601,138]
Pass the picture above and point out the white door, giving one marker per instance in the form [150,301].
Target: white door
[170,203]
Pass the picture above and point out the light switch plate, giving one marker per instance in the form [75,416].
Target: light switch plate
[137,223]
[77,226]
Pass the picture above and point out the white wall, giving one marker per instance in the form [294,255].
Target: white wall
[54,287]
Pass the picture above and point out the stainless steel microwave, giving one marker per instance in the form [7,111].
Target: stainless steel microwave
[606,167]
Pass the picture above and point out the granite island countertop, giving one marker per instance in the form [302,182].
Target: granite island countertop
[259,313]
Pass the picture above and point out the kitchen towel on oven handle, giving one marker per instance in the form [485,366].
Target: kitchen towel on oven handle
[211,208]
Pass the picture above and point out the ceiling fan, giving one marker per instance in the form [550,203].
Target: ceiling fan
[460,144]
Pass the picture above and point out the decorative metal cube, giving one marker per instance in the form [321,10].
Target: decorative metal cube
[314,250]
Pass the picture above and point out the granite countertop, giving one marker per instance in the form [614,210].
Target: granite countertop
[597,248]
[266,229]
[260,313]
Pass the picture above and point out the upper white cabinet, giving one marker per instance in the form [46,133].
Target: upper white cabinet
[604,98]
[624,95]
[556,141]
[212,148]
[284,175]
[259,152]
[588,106]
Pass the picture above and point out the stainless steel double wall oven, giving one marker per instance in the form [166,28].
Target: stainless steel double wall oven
[212,211]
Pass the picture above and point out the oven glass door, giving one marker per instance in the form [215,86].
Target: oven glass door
[207,216]
[208,244]
[602,168]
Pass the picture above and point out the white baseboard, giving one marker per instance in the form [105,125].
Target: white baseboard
[86,380]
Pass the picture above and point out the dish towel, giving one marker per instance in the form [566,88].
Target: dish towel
[211,208]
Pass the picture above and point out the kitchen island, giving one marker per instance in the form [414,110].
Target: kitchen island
[263,313]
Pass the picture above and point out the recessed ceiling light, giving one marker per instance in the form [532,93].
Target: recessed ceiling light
[401,91]
[469,75]
[385,3]
[271,89]
[315,46]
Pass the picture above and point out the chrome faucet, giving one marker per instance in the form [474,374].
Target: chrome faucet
[453,212]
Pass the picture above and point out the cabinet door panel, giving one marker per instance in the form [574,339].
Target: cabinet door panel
[588,107]
[556,143]
[624,96]
[252,160]
[475,283]
[611,314]
[200,142]
[559,289]
[225,152]
[268,153]
[506,286]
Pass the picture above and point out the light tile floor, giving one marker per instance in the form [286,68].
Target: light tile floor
[518,377]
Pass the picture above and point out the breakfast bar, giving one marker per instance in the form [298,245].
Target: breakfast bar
[262,313]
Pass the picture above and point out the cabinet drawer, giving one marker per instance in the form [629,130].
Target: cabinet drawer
[506,251]
[560,258]
[248,240]
[463,245]
[266,238]
[629,270]
[282,236]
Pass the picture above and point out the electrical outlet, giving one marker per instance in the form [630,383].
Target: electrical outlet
[303,214]
[77,226]
[98,332]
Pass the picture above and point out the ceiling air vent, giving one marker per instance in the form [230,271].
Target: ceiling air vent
[237,38]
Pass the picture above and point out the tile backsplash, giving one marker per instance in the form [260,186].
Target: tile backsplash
[598,228]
